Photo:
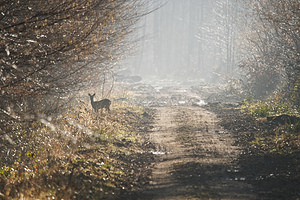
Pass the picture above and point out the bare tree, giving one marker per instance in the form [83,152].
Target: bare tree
[54,47]
[273,45]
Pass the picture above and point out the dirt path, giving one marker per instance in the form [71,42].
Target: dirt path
[195,157]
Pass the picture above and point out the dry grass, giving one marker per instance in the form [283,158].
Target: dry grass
[80,154]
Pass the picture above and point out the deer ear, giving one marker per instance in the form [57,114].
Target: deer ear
[89,94]
[94,94]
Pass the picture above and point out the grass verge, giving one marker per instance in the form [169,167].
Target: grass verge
[270,150]
[78,155]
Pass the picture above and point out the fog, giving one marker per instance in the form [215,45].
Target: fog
[149,99]
[187,40]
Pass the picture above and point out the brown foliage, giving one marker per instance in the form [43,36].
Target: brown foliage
[273,46]
[54,47]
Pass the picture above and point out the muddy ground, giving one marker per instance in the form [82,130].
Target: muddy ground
[201,150]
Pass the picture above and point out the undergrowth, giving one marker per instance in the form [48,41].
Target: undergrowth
[268,108]
[269,160]
[282,135]
[78,155]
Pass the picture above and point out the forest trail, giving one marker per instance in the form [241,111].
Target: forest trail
[195,157]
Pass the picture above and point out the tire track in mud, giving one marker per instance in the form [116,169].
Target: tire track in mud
[195,157]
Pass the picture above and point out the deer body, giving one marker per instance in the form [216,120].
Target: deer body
[104,103]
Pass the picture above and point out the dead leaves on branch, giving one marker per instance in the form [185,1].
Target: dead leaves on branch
[59,46]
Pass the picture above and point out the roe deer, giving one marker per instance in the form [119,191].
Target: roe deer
[104,103]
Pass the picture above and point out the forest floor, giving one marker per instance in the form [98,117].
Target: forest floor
[206,151]
[159,143]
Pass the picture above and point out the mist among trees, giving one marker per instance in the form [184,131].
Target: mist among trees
[54,48]
[254,42]
[54,53]
[51,49]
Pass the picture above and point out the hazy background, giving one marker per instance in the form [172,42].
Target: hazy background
[187,40]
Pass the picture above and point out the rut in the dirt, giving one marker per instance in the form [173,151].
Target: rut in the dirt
[195,158]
